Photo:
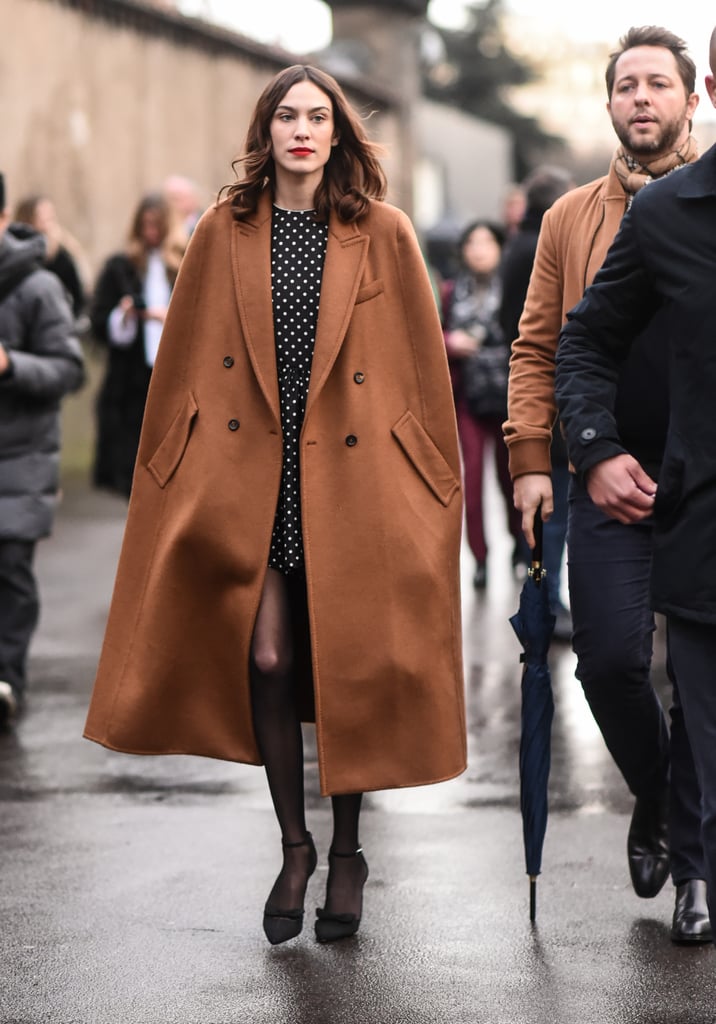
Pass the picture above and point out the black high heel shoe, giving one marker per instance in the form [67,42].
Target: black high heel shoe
[331,926]
[281,925]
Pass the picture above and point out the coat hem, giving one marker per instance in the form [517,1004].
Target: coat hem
[168,753]
[453,774]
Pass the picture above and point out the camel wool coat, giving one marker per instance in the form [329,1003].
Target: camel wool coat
[381,511]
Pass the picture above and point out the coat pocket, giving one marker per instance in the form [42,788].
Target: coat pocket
[168,455]
[426,457]
[369,291]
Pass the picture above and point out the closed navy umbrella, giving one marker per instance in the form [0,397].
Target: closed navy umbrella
[533,623]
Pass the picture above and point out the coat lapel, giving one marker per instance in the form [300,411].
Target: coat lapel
[251,266]
[346,253]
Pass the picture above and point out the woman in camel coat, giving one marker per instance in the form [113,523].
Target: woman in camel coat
[219,642]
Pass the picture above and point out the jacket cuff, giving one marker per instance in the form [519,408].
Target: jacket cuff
[596,452]
[529,456]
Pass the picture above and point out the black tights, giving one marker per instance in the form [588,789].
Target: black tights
[277,726]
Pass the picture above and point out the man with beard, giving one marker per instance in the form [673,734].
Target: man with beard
[650,82]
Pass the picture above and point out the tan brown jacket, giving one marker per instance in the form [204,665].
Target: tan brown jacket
[574,238]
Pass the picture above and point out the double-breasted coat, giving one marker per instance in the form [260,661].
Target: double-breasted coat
[381,512]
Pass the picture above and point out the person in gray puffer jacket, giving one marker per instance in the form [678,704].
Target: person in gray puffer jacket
[40,362]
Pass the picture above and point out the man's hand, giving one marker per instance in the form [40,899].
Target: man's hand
[4,360]
[621,489]
[531,491]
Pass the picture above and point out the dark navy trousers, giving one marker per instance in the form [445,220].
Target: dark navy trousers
[609,565]
[693,653]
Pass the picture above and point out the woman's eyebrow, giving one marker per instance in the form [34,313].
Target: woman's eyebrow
[313,110]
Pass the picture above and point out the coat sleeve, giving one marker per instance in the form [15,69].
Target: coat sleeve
[47,362]
[531,406]
[593,344]
[423,320]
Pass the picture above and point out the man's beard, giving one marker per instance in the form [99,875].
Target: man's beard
[661,144]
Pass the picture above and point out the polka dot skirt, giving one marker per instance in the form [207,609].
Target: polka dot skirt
[298,249]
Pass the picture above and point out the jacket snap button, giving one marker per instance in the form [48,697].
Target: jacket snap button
[351,440]
[588,434]
[233,424]
[228,361]
[359,377]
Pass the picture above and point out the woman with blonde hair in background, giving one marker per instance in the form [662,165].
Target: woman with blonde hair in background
[64,257]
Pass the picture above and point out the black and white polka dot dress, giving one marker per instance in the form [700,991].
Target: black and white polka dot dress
[298,249]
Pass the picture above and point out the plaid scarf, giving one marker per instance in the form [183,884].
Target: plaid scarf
[633,175]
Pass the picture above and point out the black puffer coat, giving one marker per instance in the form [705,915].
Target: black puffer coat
[36,330]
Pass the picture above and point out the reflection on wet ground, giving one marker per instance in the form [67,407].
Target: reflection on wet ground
[133,886]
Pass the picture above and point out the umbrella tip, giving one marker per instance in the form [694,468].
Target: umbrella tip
[533,897]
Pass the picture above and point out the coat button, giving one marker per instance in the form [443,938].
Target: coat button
[359,377]
[351,440]
[233,424]
[228,361]
[588,434]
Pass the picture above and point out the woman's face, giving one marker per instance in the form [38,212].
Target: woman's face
[151,229]
[45,218]
[302,133]
[481,251]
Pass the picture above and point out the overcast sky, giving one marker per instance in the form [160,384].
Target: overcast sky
[302,26]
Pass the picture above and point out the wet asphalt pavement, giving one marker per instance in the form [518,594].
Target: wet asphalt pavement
[132,888]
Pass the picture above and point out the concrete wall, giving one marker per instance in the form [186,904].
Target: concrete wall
[100,101]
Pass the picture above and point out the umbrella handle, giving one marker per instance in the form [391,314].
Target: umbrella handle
[536,570]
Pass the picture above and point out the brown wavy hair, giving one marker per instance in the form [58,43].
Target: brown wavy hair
[351,178]
[174,239]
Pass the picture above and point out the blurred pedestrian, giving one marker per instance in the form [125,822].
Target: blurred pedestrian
[479,356]
[40,362]
[127,314]
[514,205]
[650,82]
[658,275]
[63,257]
[184,197]
[542,187]
[293,540]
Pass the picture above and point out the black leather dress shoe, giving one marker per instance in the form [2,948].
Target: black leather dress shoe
[691,913]
[647,846]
